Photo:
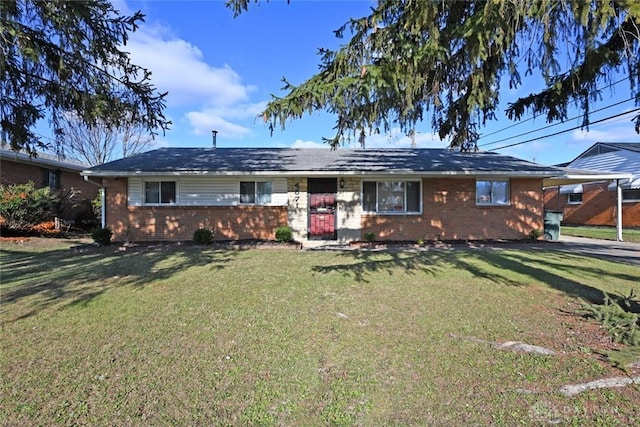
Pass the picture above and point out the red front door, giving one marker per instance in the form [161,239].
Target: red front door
[322,208]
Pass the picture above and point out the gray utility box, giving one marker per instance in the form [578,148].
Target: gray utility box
[552,220]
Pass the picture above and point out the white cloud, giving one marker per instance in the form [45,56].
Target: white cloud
[397,139]
[394,139]
[308,144]
[179,67]
[222,118]
[204,122]
[204,96]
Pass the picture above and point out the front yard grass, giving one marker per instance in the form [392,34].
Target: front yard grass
[605,233]
[185,335]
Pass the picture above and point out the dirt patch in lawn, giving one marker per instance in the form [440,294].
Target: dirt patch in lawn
[44,243]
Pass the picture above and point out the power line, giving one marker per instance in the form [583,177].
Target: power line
[531,118]
[566,130]
[553,124]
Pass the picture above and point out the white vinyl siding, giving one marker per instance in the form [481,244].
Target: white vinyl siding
[207,191]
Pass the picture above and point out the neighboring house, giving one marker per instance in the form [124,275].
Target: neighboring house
[595,203]
[323,195]
[46,170]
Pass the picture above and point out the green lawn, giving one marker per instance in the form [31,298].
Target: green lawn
[606,233]
[184,335]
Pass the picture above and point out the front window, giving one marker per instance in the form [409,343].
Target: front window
[159,192]
[391,196]
[258,193]
[492,192]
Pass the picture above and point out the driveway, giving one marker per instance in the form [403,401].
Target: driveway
[626,252]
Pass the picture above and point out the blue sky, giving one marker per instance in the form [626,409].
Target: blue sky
[220,72]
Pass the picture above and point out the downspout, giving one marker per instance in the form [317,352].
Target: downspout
[619,212]
[103,209]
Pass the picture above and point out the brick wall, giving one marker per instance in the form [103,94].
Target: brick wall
[21,173]
[598,207]
[450,213]
[147,223]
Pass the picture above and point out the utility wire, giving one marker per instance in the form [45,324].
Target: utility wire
[553,124]
[533,117]
[566,130]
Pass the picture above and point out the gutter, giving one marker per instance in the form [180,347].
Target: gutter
[87,179]
[579,178]
[325,173]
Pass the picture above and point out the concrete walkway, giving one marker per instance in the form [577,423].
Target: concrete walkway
[626,252]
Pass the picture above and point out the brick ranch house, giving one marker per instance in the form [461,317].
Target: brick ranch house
[595,202]
[46,170]
[323,195]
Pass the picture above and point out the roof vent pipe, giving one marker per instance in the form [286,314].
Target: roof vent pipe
[214,133]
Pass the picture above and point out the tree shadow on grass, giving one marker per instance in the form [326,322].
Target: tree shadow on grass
[557,272]
[361,264]
[78,275]
[512,267]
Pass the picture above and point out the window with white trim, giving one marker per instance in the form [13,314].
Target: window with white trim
[159,192]
[391,196]
[494,192]
[255,192]
[631,195]
[574,198]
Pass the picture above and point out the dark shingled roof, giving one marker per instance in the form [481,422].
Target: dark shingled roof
[42,159]
[317,160]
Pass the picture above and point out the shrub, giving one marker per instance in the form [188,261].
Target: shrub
[535,234]
[284,234]
[369,236]
[22,206]
[203,236]
[96,206]
[102,236]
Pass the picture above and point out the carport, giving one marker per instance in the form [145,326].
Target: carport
[577,177]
